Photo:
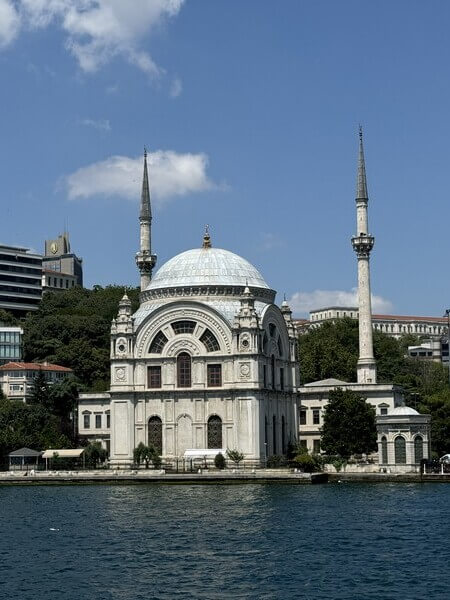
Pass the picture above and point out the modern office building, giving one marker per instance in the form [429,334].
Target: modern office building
[20,279]
[11,348]
[61,268]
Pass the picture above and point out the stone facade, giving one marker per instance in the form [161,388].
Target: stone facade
[208,361]
[403,437]
[314,397]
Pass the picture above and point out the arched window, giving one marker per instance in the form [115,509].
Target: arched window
[283,435]
[158,343]
[272,330]
[384,452]
[183,327]
[418,448]
[184,370]
[400,450]
[209,339]
[214,432]
[155,433]
[274,434]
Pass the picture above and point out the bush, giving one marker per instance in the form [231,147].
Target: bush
[276,461]
[219,461]
[308,463]
[235,456]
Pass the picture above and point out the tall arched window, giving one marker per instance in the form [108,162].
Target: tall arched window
[155,433]
[384,452]
[274,434]
[400,450]
[184,370]
[418,448]
[283,435]
[214,432]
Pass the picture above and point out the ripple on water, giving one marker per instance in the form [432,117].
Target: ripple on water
[331,542]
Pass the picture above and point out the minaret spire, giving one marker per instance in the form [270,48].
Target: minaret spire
[145,260]
[362,244]
[361,183]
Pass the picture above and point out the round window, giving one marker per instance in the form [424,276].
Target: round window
[121,348]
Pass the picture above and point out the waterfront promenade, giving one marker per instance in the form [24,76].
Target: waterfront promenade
[229,476]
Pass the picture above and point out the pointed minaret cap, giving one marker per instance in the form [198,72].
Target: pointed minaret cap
[145,212]
[361,183]
[206,238]
[125,300]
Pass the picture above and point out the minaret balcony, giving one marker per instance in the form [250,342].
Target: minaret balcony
[363,244]
[145,261]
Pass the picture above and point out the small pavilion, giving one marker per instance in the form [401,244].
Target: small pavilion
[403,437]
[23,459]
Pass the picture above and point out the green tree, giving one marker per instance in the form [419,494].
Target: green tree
[7,319]
[146,454]
[219,461]
[438,405]
[95,454]
[348,425]
[29,425]
[235,456]
[72,328]
[41,392]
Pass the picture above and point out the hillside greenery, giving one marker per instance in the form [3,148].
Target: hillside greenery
[72,329]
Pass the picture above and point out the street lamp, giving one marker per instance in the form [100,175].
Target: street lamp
[447,314]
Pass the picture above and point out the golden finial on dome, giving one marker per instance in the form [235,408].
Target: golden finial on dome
[206,238]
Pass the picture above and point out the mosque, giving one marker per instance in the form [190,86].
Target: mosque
[208,361]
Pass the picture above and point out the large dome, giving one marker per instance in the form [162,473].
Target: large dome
[207,267]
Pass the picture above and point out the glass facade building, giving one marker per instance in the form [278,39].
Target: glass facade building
[20,279]
[11,347]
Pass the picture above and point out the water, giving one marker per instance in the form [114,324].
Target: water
[348,541]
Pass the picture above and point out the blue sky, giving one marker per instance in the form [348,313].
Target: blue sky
[250,112]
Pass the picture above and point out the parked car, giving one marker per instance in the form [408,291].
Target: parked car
[445,459]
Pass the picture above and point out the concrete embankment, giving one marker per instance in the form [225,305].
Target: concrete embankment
[150,476]
[388,477]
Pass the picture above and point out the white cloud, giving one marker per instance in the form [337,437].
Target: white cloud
[100,124]
[176,87]
[96,30]
[302,302]
[9,23]
[171,174]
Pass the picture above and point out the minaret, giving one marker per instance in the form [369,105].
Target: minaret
[362,244]
[145,260]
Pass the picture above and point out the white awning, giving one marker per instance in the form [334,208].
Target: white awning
[203,452]
[63,453]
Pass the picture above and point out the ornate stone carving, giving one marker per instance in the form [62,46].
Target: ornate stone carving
[244,343]
[120,374]
[181,345]
[121,346]
[244,370]
[195,314]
